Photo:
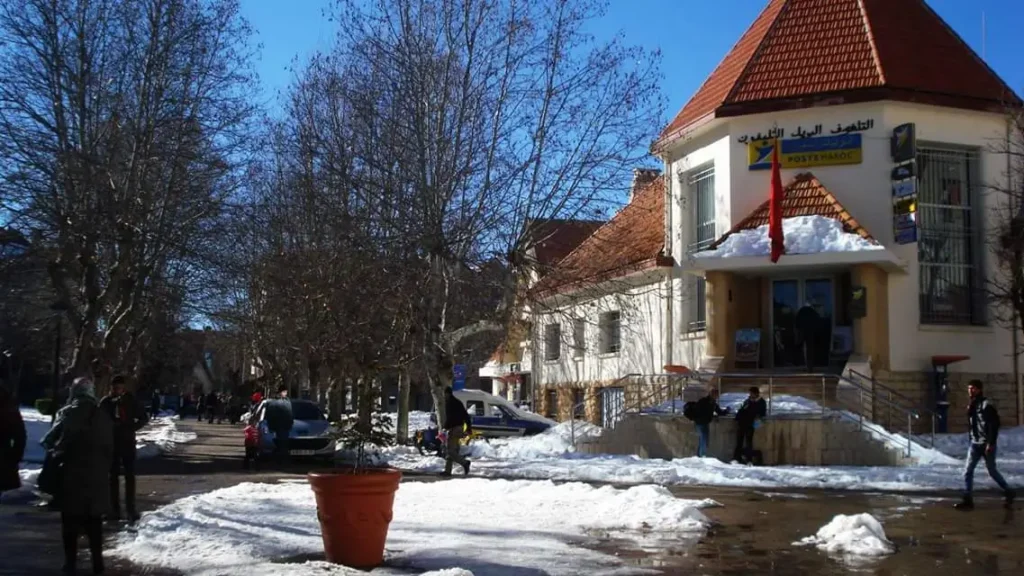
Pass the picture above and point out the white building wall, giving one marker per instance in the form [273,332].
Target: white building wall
[863,189]
[641,309]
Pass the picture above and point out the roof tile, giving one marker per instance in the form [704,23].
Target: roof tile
[632,240]
[805,195]
[797,49]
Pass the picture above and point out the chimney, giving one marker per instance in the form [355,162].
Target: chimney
[642,177]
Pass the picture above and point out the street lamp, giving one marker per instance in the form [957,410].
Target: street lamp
[58,307]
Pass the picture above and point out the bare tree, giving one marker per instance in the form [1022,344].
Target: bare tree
[489,116]
[120,127]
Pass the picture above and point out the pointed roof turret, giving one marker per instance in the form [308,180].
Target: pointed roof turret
[800,53]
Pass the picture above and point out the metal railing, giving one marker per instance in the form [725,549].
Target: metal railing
[818,395]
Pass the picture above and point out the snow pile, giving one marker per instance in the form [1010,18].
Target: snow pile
[36,426]
[555,441]
[1010,443]
[803,235]
[855,535]
[506,527]
[161,435]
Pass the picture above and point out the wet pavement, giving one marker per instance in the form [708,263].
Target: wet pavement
[754,532]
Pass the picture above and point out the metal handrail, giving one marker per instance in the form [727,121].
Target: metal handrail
[875,382]
[618,383]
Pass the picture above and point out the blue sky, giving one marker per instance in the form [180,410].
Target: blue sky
[693,35]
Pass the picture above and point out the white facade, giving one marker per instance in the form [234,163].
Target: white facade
[864,189]
[640,302]
[658,310]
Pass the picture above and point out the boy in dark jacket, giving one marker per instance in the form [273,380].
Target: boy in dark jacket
[704,412]
[457,425]
[129,417]
[753,408]
[983,429]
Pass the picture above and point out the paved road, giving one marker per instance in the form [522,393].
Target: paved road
[30,536]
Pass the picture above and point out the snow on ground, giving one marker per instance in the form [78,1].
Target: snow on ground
[160,436]
[1010,444]
[488,527]
[857,535]
[780,404]
[36,426]
[803,235]
[552,456]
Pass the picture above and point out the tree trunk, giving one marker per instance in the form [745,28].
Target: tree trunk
[366,403]
[402,426]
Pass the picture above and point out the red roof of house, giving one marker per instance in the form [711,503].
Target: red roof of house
[798,53]
[632,240]
[557,238]
[805,195]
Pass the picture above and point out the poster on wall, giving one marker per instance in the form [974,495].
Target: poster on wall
[748,345]
[904,143]
[806,152]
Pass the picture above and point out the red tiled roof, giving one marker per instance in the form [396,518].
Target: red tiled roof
[632,240]
[804,196]
[845,50]
[557,238]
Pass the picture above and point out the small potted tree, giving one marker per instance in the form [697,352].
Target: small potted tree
[354,503]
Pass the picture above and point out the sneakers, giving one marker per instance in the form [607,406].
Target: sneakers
[465,468]
[445,474]
[966,504]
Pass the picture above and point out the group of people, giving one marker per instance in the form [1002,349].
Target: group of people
[90,445]
[982,420]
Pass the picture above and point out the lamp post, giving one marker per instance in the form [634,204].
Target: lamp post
[58,308]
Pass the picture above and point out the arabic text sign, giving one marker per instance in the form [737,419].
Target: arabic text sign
[807,152]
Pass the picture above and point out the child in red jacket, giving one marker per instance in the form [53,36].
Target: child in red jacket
[252,446]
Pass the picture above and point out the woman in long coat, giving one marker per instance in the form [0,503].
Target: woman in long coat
[82,438]
[12,441]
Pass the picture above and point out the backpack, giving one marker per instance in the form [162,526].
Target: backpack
[690,410]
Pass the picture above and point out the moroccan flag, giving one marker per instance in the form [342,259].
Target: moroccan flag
[775,208]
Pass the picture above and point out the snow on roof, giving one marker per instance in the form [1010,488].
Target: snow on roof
[803,234]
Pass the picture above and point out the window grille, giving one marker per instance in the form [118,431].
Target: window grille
[702,191]
[949,237]
[611,332]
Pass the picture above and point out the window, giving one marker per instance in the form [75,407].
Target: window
[475,408]
[579,338]
[552,342]
[949,237]
[552,411]
[579,408]
[611,332]
[702,190]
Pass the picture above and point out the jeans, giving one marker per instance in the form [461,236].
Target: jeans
[703,433]
[976,453]
[744,442]
[124,457]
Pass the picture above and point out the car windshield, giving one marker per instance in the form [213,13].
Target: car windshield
[306,411]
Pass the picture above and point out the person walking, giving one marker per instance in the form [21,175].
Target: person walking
[457,424]
[201,407]
[154,404]
[752,410]
[211,406]
[983,431]
[12,441]
[82,439]
[280,421]
[129,417]
[704,412]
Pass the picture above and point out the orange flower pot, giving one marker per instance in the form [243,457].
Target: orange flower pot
[354,510]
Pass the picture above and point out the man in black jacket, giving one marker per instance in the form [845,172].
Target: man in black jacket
[752,409]
[129,417]
[457,425]
[983,429]
[704,412]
